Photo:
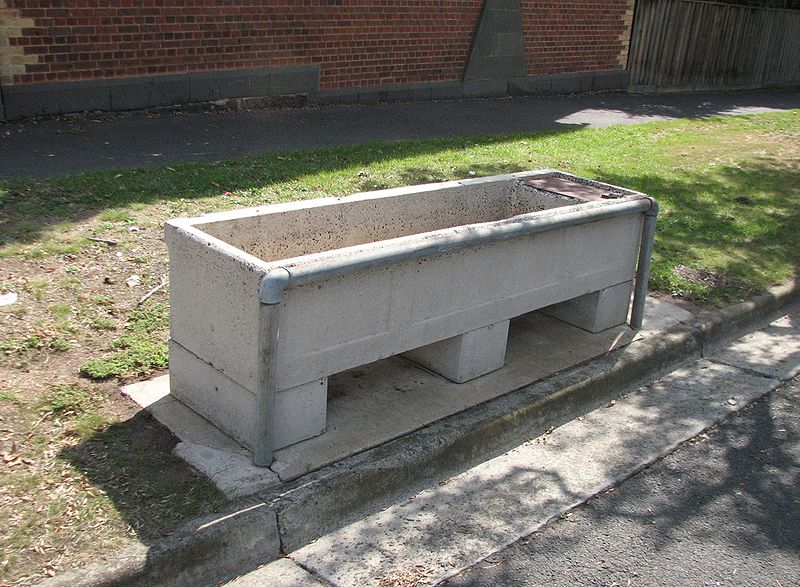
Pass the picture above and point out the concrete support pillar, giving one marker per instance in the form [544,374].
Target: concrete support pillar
[595,311]
[300,412]
[467,355]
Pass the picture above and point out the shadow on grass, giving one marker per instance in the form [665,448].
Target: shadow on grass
[741,223]
[153,490]
[34,206]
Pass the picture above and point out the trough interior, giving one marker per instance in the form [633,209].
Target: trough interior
[358,221]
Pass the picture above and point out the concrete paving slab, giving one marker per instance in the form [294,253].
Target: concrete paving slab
[146,393]
[774,351]
[659,315]
[283,572]
[233,473]
[182,421]
[444,529]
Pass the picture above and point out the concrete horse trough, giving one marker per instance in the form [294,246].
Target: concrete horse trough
[266,303]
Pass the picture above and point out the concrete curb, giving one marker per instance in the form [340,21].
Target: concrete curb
[202,550]
[254,531]
[720,326]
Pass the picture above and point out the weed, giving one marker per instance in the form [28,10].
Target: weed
[103,300]
[68,401]
[36,286]
[59,344]
[139,351]
[115,215]
[61,312]
[15,346]
[63,247]
[101,323]
[71,283]
[85,425]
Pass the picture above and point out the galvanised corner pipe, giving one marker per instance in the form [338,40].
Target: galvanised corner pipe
[643,265]
[270,295]
[274,283]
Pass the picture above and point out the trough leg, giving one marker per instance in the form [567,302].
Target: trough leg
[300,412]
[467,355]
[595,311]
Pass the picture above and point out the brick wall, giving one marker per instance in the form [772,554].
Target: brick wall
[59,56]
[576,35]
[356,42]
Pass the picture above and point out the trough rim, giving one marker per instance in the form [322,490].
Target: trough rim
[191,226]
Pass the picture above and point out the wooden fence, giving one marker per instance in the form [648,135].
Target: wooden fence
[690,45]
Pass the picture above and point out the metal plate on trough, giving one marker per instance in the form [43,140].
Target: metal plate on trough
[566,187]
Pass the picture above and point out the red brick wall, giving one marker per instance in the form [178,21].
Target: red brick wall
[576,35]
[356,42]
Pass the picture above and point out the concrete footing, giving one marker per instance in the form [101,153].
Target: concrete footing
[595,311]
[300,410]
[467,356]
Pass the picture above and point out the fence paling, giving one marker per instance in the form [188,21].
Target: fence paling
[688,44]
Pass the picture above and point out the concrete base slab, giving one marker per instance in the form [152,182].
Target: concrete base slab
[283,572]
[659,315]
[442,530]
[146,393]
[183,422]
[373,404]
[466,356]
[774,351]
[233,473]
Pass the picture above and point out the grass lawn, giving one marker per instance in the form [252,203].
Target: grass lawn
[83,471]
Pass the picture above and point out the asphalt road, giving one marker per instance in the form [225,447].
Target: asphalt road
[71,145]
[724,509]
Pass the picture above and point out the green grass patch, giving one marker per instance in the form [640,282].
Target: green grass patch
[37,288]
[69,401]
[19,346]
[103,300]
[115,215]
[102,323]
[726,185]
[139,351]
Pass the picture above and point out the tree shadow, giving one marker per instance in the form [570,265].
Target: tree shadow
[50,148]
[722,500]
[707,222]
[35,206]
[152,489]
